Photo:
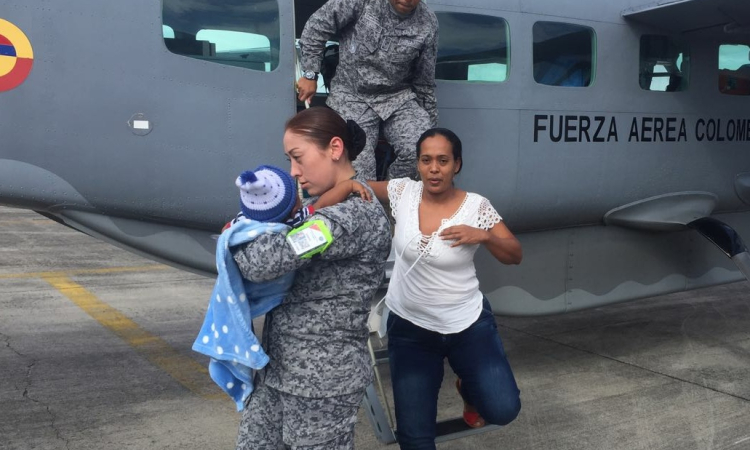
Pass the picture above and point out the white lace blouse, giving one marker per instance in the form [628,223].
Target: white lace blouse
[433,285]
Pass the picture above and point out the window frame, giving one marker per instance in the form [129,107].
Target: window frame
[684,52]
[593,59]
[507,40]
[745,68]
[205,50]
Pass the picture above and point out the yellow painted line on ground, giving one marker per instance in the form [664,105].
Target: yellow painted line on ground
[107,270]
[39,220]
[180,367]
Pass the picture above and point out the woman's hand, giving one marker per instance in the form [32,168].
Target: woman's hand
[360,190]
[498,240]
[465,235]
[340,192]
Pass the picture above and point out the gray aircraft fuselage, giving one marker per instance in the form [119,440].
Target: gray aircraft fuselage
[116,136]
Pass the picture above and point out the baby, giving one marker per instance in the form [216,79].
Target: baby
[270,194]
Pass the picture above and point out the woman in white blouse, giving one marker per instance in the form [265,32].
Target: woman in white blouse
[437,310]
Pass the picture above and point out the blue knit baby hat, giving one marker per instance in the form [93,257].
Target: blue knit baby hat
[267,194]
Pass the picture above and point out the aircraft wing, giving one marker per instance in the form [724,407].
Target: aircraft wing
[688,15]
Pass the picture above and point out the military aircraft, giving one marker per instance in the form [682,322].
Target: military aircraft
[605,133]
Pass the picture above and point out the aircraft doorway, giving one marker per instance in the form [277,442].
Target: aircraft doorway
[303,9]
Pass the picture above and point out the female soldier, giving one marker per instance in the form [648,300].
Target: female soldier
[437,310]
[308,394]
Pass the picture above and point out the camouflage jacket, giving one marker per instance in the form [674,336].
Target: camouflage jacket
[317,338]
[385,59]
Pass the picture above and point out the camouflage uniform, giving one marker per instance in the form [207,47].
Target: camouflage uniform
[386,73]
[308,394]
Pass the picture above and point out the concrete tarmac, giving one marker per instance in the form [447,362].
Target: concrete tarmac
[95,354]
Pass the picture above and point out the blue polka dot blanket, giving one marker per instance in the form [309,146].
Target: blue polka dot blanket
[227,333]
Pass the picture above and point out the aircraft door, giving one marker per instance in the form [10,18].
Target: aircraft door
[228,90]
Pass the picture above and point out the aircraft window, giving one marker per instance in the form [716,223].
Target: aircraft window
[734,69]
[472,47]
[242,33]
[563,54]
[665,64]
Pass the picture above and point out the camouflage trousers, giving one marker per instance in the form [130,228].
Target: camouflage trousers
[274,420]
[402,130]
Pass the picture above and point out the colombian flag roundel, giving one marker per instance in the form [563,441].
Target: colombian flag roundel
[16,56]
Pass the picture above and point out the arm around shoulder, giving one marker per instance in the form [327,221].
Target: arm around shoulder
[380,189]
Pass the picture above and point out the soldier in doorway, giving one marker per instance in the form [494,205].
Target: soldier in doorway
[385,76]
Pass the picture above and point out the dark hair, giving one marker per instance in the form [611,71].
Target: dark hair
[320,124]
[449,136]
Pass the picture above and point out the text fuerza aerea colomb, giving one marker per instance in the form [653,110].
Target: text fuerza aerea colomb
[585,128]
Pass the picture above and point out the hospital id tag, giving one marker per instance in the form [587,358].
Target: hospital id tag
[310,239]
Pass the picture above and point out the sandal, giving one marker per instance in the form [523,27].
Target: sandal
[471,416]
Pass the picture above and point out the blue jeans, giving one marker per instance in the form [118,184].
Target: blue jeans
[475,354]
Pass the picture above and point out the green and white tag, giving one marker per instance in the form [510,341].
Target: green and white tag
[310,239]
